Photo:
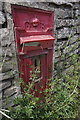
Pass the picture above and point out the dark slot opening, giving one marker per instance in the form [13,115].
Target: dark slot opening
[35,63]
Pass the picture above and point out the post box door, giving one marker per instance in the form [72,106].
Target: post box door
[36,72]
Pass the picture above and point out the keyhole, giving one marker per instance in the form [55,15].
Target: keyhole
[35,63]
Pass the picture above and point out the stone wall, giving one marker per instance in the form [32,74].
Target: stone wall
[8,60]
[66,15]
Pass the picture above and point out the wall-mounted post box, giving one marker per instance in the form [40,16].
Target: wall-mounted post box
[34,44]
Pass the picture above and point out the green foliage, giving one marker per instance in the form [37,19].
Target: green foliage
[60,101]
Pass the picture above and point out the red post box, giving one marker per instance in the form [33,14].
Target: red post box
[34,44]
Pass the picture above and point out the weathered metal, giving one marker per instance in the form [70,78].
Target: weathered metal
[34,44]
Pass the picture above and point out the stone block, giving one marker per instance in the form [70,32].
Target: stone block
[57,54]
[1,6]
[0,116]
[7,7]
[8,102]
[10,26]
[7,34]
[56,60]
[74,39]
[63,33]
[55,48]
[10,91]
[1,75]
[76,51]
[40,5]
[8,65]
[5,85]
[5,40]
[10,21]
[0,87]
[63,13]
[0,97]
[79,13]
[59,65]
[7,75]
[6,59]
[7,51]
[3,32]
[79,37]
[32,4]
[70,49]
[78,20]
[13,48]
[65,23]
[66,71]
[78,29]
[66,50]
[0,52]
[61,45]
[73,30]
[76,6]
[2,18]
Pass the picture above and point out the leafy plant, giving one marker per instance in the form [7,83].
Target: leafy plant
[60,100]
[61,97]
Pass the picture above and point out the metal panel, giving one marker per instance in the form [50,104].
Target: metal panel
[34,44]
